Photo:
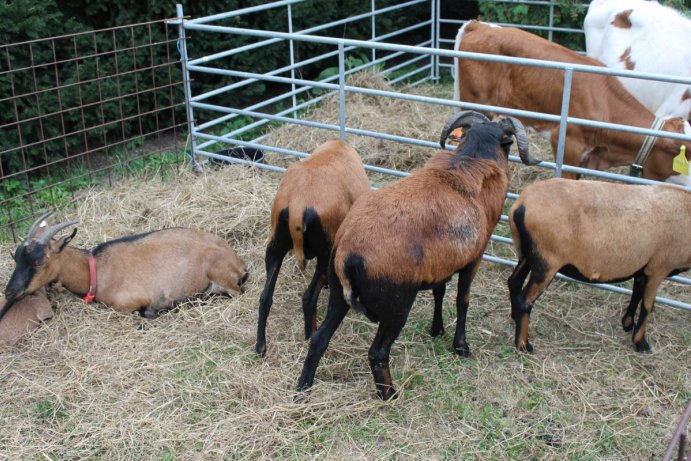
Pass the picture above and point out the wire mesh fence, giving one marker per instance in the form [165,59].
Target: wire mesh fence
[84,109]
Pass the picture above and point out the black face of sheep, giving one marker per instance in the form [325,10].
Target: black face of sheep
[415,234]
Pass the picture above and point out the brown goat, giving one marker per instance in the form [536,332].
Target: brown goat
[415,234]
[145,272]
[27,315]
[592,231]
[593,97]
[313,197]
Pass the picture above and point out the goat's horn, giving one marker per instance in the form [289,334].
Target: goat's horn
[34,226]
[52,230]
[463,119]
[521,140]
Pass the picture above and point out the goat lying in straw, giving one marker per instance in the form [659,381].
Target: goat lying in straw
[147,272]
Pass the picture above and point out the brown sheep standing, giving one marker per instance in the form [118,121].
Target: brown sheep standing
[312,200]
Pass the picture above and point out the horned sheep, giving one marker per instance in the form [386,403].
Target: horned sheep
[415,234]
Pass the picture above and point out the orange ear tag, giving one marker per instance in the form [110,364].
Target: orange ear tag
[455,136]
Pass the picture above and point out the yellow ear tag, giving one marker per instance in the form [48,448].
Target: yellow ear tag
[680,164]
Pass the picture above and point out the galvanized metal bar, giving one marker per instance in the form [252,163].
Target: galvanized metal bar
[565,99]
[292,56]
[373,26]
[433,17]
[182,47]
[341,92]
[551,20]
[242,11]
[460,22]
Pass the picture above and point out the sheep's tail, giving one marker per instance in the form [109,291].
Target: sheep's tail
[521,238]
[297,228]
[350,273]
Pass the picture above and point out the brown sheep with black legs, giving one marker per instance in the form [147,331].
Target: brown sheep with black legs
[147,272]
[415,234]
[313,197]
[598,232]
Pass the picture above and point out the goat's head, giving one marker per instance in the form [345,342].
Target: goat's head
[504,130]
[35,260]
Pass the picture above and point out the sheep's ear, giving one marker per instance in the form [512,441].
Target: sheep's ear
[62,242]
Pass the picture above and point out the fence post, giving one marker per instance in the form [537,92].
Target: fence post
[565,99]
[341,90]
[435,6]
[292,57]
[551,20]
[182,48]
[374,30]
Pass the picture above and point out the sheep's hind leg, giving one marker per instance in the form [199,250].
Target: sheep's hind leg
[539,280]
[379,352]
[275,252]
[516,280]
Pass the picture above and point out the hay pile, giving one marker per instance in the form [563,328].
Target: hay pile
[94,384]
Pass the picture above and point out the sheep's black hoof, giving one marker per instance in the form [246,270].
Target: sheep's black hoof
[527,347]
[387,393]
[260,349]
[462,349]
[148,313]
[436,332]
[302,396]
[627,323]
[643,346]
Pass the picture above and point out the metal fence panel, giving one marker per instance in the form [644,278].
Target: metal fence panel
[407,55]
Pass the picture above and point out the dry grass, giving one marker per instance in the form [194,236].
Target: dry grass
[93,384]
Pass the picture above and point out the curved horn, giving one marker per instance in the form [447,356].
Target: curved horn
[52,230]
[521,140]
[34,226]
[464,119]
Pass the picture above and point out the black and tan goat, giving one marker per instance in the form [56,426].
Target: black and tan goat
[598,232]
[147,272]
[27,315]
[415,234]
[313,197]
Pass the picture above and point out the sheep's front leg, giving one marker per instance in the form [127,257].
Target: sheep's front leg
[438,318]
[388,331]
[465,279]
[639,282]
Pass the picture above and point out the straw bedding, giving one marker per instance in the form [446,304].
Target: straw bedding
[94,384]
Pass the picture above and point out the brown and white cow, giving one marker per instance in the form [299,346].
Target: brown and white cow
[593,97]
[644,36]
